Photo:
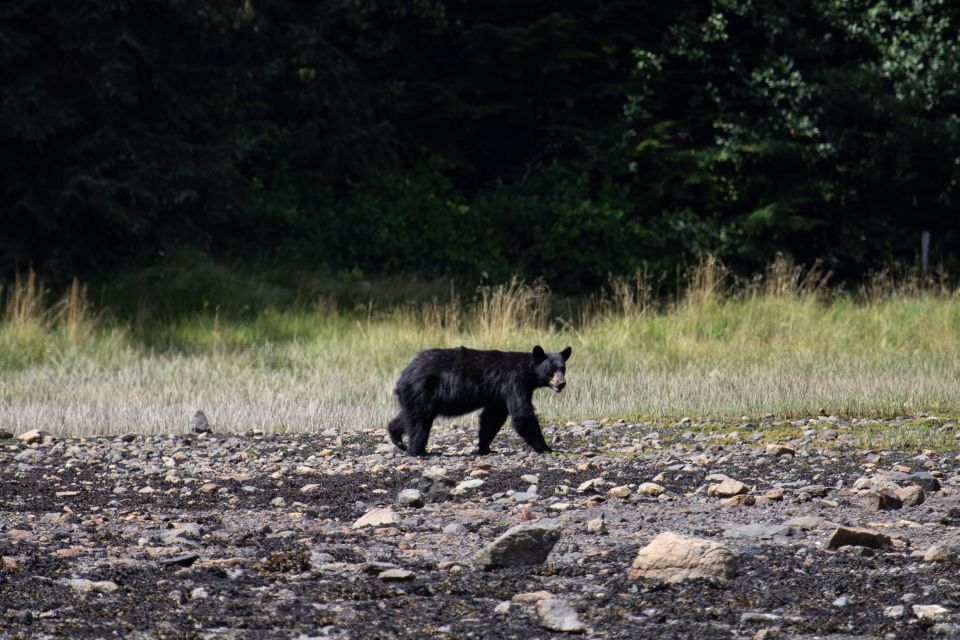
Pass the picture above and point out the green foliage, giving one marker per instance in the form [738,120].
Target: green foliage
[827,129]
[567,140]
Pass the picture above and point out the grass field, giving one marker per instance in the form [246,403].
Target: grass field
[784,344]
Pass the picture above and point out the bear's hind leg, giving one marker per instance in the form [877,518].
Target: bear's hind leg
[491,420]
[396,428]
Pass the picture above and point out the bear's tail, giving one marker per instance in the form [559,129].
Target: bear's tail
[396,431]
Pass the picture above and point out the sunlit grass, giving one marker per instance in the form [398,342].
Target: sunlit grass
[722,351]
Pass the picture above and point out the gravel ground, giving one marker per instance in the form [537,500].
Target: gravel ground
[256,536]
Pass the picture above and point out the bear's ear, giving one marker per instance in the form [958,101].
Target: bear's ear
[566,353]
[538,354]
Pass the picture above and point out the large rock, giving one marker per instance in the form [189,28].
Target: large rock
[926,480]
[912,496]
[524,544]
[934,612]
[671,558]
[34,436]
[881,501]
[843,536]
[727,489]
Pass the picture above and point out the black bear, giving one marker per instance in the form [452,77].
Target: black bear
[452,382]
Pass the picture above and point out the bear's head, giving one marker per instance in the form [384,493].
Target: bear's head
[551,368]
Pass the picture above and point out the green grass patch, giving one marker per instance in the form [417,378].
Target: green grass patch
[257,351]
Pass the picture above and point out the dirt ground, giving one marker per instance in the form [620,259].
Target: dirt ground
[253,536]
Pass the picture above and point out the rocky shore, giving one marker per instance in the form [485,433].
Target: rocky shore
[632,530]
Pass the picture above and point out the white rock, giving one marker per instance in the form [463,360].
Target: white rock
[467,485]
[651,489]
[557,615]
[931,612]
[83,585]
[896,611]
[377,518]
[591,485]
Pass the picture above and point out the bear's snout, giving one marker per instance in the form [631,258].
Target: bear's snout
[557,382]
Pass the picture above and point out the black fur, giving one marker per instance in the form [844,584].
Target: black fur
[452,382]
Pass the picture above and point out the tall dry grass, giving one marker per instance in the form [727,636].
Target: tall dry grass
[784,343]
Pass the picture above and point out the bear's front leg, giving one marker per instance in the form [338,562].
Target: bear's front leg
[491,420]
[525,422]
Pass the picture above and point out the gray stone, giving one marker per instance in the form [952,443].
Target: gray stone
[455,528]
[815,490]
[810,523]
[524,544]
[410,498]
[198,422]
[757,616]
[187,530]
[896,611]
[948,629]
[926,480]
[179,560]
[881,501]
[557,615]
[857,536]
[758,531]
[897,476]
[597,526]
